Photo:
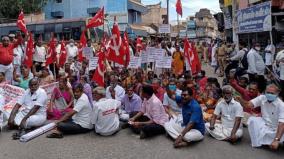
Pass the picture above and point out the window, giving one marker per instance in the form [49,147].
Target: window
[58,1]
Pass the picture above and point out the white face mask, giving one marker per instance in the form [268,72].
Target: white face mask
[257,48]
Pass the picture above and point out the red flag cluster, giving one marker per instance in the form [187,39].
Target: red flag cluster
[51,52]
[82,44]
[191,56]
[63,54]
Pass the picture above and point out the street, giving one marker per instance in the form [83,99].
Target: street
[126,145]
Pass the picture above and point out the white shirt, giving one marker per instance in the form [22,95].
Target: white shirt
[119,93]
[279,57]
[229,112]
[20,52]
[238,56]
[269,56]
[40,53]
[172,103]
[2,102]
[255,63]
[38,98]
[272,113]
[72,51]
[84,110]
[105,115]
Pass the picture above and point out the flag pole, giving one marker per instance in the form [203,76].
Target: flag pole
[178,25]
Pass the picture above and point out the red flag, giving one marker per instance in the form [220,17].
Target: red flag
[188,53]
[97,20]
[83,43]
[29,52]
[116,49]
[179,7]
[127,51]
[98,77]
[139,45]
[21,23]
[196,65]
[51,52]
[63,54]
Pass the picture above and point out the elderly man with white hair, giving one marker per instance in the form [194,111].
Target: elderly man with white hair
[269,128]
[105,116]
[231,112]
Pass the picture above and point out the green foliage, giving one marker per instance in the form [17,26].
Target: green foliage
[10,9]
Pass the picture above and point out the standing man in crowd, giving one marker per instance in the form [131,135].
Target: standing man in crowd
[256,67]
[7,57]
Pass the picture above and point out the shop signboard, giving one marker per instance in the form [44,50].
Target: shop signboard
[255,19]
[165,28]
[191,24]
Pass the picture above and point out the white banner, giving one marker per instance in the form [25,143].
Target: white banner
[150,54]
[93,63]
[159,54]
[135,62]
[165,28]
[164,62]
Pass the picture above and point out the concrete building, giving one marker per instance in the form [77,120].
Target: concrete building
[156,15]
[248,29]
[206,25]
[68,17]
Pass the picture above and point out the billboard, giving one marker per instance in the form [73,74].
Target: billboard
[255,19]
[191,24]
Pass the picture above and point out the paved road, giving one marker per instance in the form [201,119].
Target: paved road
[125,145]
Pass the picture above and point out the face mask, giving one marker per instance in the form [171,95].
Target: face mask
[270,97]
[112,85]
[172,87]
[71,44]
[257,48]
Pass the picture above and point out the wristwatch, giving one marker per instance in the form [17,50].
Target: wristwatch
[276,139]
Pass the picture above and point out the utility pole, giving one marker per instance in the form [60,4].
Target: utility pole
[235,36]
[168,11]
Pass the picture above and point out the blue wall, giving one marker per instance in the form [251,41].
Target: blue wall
[78,8]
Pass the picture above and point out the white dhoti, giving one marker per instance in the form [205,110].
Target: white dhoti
[260,133]
[123,116]
[174,129]
[32,121]
[221,133]
[8,71]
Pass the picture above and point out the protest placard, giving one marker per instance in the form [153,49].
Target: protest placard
[159,54]
[135,62]
[93,63]
[150,53]
[88,52]
[144,57]
[164,62]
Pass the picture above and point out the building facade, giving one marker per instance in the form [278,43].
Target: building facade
[156,15]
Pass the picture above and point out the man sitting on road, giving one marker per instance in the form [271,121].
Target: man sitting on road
[130,105]
[231,112]
[269,128]
[77,120]
[33,114]
[105,113]
[152,116]
[115,89]
[191,128]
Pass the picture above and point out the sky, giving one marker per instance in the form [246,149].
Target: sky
[189,7]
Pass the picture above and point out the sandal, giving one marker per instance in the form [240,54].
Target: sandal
[55,135]
[17,135]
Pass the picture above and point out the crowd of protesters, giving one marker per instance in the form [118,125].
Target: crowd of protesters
[173,101]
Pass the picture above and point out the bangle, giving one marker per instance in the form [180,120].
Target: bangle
[276,139]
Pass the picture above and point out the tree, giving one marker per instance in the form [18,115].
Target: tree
[10,9]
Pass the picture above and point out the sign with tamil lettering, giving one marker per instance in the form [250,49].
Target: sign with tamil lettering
[255,19]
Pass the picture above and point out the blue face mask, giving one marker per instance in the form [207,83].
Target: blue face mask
[270,97]
[172,87]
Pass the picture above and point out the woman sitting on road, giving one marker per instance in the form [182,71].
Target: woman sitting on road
[61,100]
[24,78]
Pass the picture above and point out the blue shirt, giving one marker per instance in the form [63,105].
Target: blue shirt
[192,113]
